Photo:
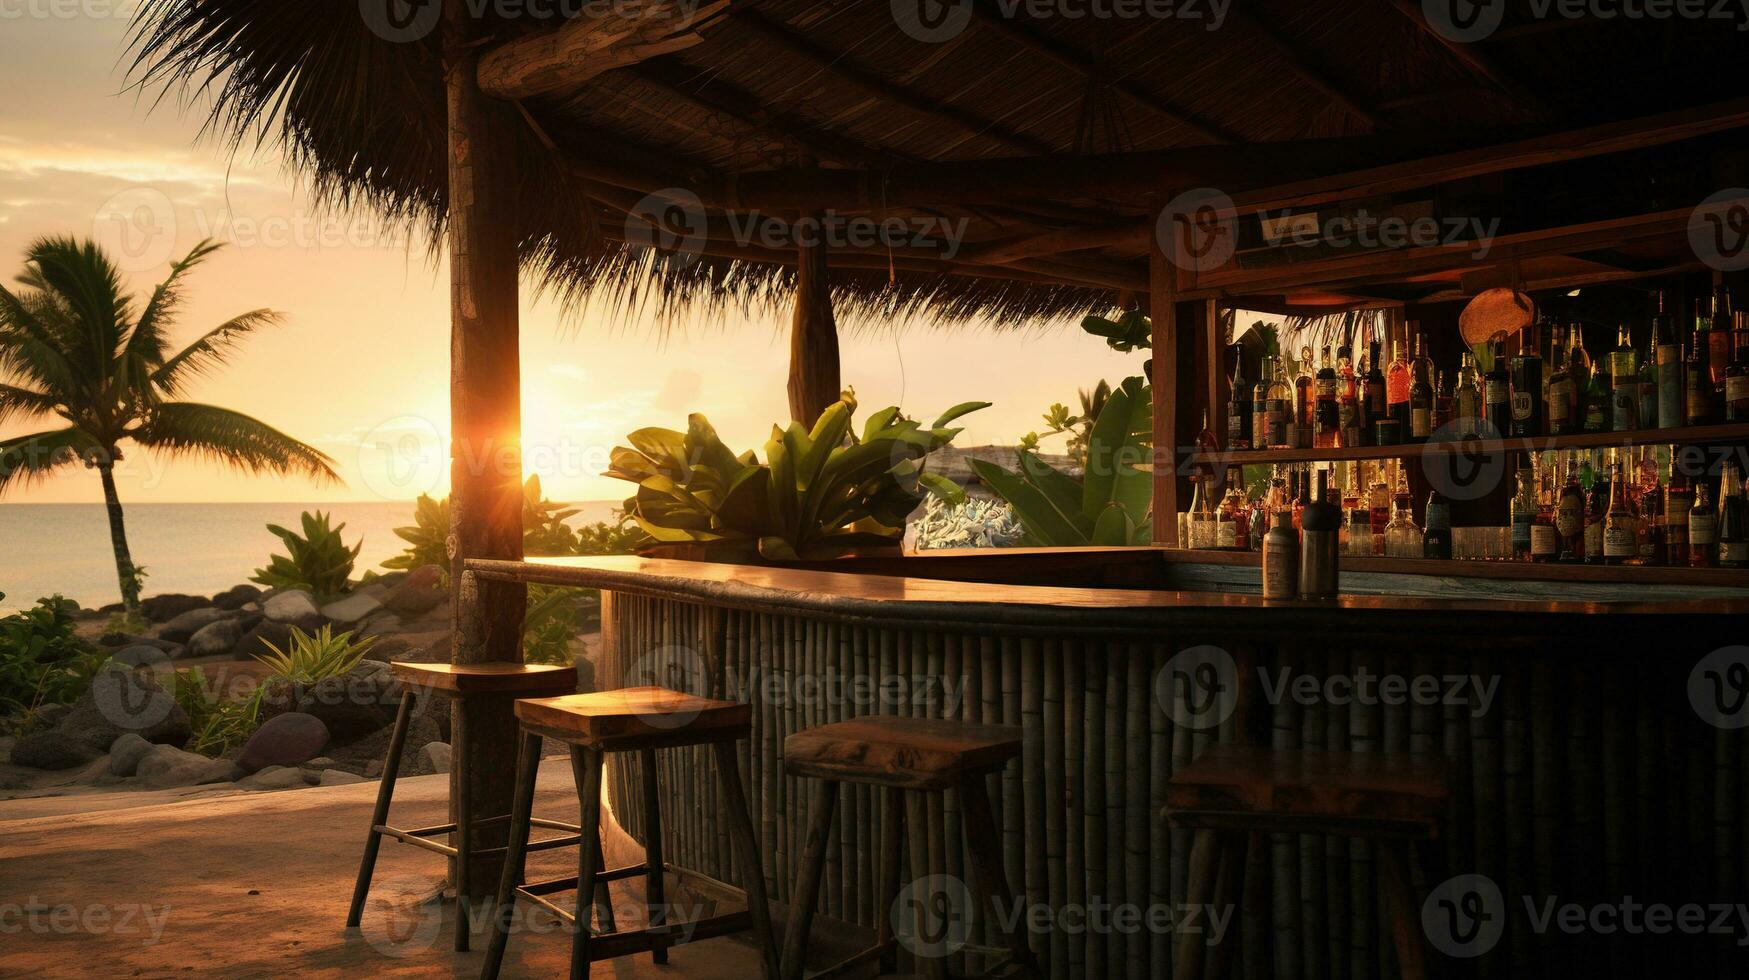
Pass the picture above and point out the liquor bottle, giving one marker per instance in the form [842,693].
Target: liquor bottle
[1697,391]
[1397,388]
[1526,379]
[1208,449]
[1649,508]
[1303,401]
[1466,401]
[1678,500]
[1646,396]
[1280,409]
[1374,390]
[1497,395]
[1281,558]
[1545,542]
[1563,393]
[1436,539]
[1320,531]
[1624,371]
[1326,417]
[1442,396]
[1596,513]
[1620,542]
[1570,515]
[1260,404]
[1421,364]
[1239,404]
[1667,351]
[1718,341]
[1579,366]
[1523,509]
[1420,401]
[1233,523]
[1733,512]
[1348,411]
[1379,508]
[1737,375]
[1302,494]
[1703,528]
[1403,537]
[1597,399]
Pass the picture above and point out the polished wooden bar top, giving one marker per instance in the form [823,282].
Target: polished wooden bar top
[901,600]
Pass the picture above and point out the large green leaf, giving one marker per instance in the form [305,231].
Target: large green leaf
[1045,523]
[665,449]
[1113,446]
[963,408]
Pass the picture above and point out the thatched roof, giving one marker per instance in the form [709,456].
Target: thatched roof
[776,84]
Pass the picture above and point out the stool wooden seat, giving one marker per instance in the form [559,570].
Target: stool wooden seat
[640,720]
[920,755]
[1234,796]
[454,682]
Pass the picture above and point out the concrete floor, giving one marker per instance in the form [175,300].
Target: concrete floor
[257,885]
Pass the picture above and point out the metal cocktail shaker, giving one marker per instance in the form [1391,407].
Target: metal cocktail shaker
[1320,534]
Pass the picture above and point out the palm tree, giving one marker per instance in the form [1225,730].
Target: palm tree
[72,346]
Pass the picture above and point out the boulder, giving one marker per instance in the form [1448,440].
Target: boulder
[380,622]
[435,756]
[284,740]
[424,647]
[293,607]
[133,639]
[165,766]
[164,608]
[354,704]
[120,701]
[50,715]
[420,592]
[236,597]
[125,754]
[274,777]
[349,612]
[179,629]
[141,654]
[339,777]
[218,638]
[254,642]
[49,749]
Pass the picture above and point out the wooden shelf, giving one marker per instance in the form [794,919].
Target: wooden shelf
[1687,435]
[1550,572]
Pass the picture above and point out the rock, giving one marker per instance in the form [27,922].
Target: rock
[435,756]
[178,630]
[274,777]
[140,654]
[165,766]
[293,607]
[254,642]
[50,715]
[163,608]
[320,763]
[236,597]
[339,777]
[125,754]
[356,703]
[52,750]
[418,593]
[373,769]
[131,639]
[380,622]
[348,612]
[110,610]
[122,700]
[284,740]
[427,647]
[215,639]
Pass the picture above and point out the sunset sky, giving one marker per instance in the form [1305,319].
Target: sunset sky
[361,368]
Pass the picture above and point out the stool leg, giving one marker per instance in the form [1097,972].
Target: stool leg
[1405,913]
[892,859]
[1232,882]
[516,849]
[586,767]
[801,910]
[603,897]
[983,842]
[1205,862]
[747,846]
[657,914]
[464,831]
[917,832]
[385,793]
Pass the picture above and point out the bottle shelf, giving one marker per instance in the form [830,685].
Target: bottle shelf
[1687,435]
[1534,571]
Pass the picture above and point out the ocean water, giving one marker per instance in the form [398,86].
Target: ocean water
[197,548]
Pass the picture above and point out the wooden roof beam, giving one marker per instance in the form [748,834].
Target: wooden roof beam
[1086,67]
[1289,53]
[1472,58]
[566,58]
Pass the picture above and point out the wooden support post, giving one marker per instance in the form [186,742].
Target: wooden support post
[1183,332]
[813,342]
[485,425]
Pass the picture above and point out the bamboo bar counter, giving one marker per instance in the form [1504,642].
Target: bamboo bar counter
[1580,769]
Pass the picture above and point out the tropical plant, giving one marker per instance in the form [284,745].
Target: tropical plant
[1108,506]
[552,622]
[1058,421]
[822,492]
[317,560]
[1132,330]
[976,523]
[75,347]
[42,660]
[544,532]
[310,657]
[218,724]
[427,537]
[621,536]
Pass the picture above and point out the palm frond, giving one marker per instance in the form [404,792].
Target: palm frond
[211,350]
[83,279]
[27,459]
[16,402]
[150,340]
[210,432]
[31,348]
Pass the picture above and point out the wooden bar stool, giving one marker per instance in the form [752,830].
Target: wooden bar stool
[451,682]
[922,755]
[642,720]
[1234,796]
